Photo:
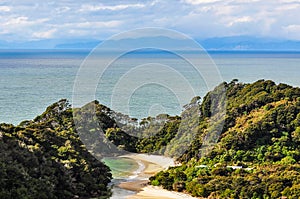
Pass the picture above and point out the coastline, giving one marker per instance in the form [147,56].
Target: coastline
[152,165]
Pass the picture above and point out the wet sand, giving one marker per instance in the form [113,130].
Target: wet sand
[152,165]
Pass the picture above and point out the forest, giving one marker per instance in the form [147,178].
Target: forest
[45,158]
[257,154]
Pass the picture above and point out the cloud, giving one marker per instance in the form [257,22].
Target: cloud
[90,28]
[4,9]
[28,19]
[292,31]
[93,24]
[88,8]
[45,34]
[289,1]
[63,9]
[243,19]
[294,27]
[197,2]
[23,21]
[288,7]
[99,24]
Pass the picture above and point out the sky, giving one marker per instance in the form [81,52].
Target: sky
[29,20]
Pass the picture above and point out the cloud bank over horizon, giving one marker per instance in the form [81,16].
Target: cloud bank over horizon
[28,20]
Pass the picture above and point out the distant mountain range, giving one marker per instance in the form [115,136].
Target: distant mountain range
[249,43]
[218,43]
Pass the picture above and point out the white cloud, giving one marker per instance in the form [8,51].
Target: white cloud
[197,2]
[289,1]
[246,1]
[16,21]
[19,27]
[89,8]
[45,34]
[91,24]
[292,31]
[288,7]
[243,19]
[23,21]
[198,18]
[292,28]
[4,9]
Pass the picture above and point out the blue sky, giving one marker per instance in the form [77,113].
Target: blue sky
[24,20]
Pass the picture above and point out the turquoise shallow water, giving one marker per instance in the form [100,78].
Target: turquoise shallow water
[123,169]
[32,80]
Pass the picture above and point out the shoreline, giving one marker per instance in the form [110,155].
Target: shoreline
[152,165]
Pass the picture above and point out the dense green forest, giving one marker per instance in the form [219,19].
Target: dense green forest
[239,141]
[45,158]
[261,137]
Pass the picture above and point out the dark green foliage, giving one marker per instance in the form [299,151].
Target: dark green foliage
[151,138]
[160,139]
[108,133]
[121,139]
[45,158]
[261,132]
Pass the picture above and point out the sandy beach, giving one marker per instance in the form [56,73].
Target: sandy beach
[151,192]
[152,165]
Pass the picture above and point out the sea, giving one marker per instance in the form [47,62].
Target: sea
[139,84]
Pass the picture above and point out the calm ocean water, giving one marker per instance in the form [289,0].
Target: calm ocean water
[32,80]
